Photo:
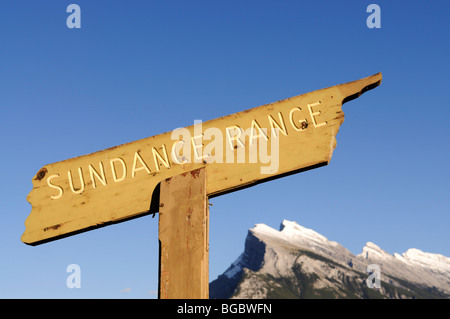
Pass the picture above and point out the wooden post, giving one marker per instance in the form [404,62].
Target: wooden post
[183,237]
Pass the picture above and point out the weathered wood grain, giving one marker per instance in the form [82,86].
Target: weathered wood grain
[183,237]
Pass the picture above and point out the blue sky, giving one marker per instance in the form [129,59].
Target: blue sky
[137,69]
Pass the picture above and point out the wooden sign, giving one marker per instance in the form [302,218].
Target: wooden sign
[235,151]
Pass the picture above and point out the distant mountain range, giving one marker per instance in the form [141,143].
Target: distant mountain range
[297,262]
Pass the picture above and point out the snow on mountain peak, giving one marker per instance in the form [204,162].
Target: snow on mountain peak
[428,260]
[263,229]
[372,251]
[412,257]
[296,236]
[292,233]
[293,230]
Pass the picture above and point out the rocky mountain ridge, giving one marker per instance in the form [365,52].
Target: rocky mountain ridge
[297,262]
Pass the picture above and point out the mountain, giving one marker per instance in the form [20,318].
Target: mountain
[297,262]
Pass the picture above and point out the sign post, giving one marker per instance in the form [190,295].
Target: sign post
[183,237]
[229,153]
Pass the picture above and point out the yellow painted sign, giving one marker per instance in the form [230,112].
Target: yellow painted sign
[236,151]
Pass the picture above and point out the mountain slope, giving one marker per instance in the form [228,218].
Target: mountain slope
[297,262]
